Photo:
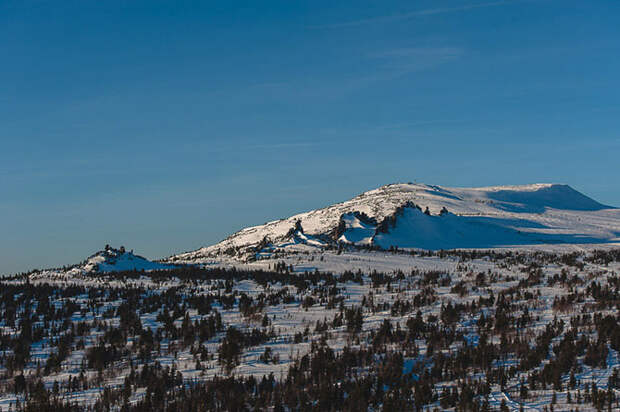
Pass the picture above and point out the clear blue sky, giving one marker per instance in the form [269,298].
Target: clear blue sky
[166,126]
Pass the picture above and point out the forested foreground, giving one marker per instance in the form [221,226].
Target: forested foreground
[462,331]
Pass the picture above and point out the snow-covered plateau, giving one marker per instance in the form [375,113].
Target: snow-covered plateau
[433,217]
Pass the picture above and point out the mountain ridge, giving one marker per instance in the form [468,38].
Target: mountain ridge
[403,216]
[518,215]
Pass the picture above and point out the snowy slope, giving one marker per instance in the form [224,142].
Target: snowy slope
[118,260]
[110,260]
[502,216]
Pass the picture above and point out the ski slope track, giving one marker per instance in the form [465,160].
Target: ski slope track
[419,216]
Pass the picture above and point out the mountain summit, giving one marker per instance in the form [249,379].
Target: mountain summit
[432,217]
[110,260]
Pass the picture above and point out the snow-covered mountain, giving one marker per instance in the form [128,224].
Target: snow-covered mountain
[433,217]
[111,260]
[118,260]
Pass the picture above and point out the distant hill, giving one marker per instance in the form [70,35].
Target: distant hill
[432,217]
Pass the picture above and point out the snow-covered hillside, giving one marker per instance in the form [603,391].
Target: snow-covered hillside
[118,260]
[111,260]
[434,217]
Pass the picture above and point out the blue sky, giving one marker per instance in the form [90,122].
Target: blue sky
[166,126]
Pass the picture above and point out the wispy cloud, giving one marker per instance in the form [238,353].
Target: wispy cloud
[411,59]
[418,13]
[277,146]
[266,146]
[378,66]
[418,52]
